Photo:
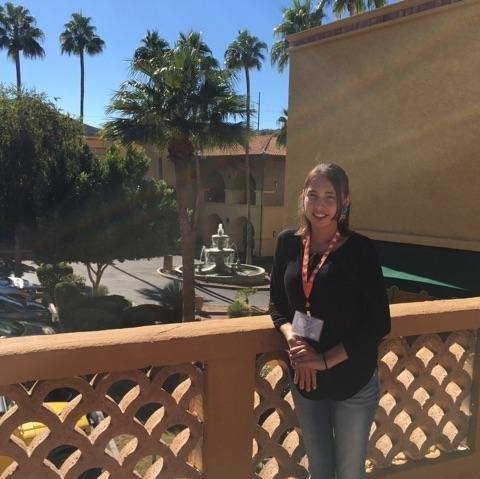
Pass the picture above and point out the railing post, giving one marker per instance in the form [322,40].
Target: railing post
[474,433]
[229,425]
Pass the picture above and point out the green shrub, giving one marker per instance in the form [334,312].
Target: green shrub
[243,294]
[146,315]
[102,290]
[67,295]
[50,275]
[113,304]
[266,369]
[88,319]
[171,299]
[238,309]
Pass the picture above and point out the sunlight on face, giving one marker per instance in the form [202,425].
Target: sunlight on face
[320,202]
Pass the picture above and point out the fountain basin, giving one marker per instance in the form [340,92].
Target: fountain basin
[248,275]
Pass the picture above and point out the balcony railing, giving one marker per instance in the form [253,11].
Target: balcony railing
[211,400]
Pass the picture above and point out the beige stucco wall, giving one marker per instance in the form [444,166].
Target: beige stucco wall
[272,224]
[273,181]
[398,106]
[266,214]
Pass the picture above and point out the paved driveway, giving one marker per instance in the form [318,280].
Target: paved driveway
[140,282]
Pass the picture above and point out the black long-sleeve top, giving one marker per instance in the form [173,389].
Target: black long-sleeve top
[348,294]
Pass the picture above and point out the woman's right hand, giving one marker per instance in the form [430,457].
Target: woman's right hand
[304,377]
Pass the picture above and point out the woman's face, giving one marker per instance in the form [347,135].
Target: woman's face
[320,203]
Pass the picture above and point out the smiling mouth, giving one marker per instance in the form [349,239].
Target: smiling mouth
[320,217]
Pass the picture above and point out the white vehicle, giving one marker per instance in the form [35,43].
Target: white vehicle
[21,283]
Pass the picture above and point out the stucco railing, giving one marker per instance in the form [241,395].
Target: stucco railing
[211,400]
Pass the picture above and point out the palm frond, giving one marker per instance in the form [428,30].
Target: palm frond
[299,17]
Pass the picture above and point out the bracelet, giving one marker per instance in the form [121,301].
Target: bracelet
[325,361]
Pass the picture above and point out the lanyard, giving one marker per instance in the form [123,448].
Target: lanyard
[306,281]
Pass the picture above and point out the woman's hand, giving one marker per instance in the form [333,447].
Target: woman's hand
[305,355]
[304,375]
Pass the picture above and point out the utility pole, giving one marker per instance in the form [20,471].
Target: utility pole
[258,113]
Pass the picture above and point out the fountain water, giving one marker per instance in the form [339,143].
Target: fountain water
[220,264]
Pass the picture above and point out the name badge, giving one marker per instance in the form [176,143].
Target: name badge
[307,326]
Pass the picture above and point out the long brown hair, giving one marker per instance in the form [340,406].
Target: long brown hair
[339,180]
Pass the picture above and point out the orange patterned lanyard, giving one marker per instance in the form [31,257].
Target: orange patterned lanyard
[306,281]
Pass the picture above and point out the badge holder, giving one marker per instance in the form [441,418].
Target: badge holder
[307,326]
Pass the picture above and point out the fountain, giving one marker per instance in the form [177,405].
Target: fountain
[219,264]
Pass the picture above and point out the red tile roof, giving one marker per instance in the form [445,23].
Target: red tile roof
[259,145]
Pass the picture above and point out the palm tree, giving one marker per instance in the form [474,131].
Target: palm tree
[180,102]
[78,38]
[300,16]
[194,40]
[283,122]
[153,45]
[352,7]
[245,53]
[19,33]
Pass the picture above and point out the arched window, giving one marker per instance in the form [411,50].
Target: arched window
[214,187]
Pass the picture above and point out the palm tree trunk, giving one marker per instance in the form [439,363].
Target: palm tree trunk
[198,191]
[351,8]
[181,153]
[82,83]
[248,256]
[17,66]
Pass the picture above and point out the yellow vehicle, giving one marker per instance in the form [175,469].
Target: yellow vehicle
[28,431]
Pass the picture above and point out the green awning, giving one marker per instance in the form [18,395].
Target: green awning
[442,272]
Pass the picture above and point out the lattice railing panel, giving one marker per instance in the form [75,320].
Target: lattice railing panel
[144,423]
[278,450]
[425,398]
[424,408]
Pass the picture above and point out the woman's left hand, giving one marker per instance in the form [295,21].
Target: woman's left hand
[306,356]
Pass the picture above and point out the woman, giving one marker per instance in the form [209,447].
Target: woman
[327,281]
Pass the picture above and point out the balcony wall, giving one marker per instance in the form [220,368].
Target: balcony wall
[219,405]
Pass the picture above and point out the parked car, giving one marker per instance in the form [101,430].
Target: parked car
[28,431]
[13,328]
[20,284]
[28,311]
[7,288]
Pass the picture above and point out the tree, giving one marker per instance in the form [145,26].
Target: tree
[179,101]
[113,213]
[282,135]
[78,38]
[41,153]
[19,33]
[245,53]
[299,17]
[153,46]
[352,7]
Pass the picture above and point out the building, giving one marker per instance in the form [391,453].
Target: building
[223,189]
[392,95]
[223,192]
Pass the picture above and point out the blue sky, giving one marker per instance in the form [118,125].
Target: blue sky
[122,24]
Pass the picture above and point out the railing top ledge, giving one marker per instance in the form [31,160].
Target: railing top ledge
[435,316]
[65,355]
